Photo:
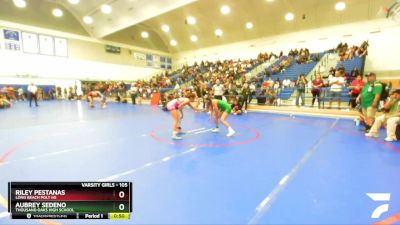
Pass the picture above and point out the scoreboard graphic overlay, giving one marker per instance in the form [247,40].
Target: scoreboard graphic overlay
[70,200]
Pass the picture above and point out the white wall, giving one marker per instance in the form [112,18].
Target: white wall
[14,64]
[384,46]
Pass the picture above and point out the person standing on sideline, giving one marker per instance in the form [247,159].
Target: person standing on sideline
[32,92]
[369,98]
[218,90]
[301,89]
[356,87]
[317,85]
[134,92]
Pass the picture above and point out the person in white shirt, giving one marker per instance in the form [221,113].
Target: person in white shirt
[32,92]
[134,93]
[286,83]
[21,95]
[336,84]
[218,90]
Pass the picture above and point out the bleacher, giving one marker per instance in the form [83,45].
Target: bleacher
[350,64]
[292,72]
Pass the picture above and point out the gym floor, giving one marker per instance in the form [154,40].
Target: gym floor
[277,169]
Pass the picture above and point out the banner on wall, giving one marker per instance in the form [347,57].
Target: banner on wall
[61,47]
[156,61]
[46,45]
[149,60]
[30,43]
[139,56]
[11,40]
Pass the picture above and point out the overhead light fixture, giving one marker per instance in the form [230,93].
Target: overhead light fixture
[194,38]
[58,12]
[165,28]
[20,3]
[88,19]
[74,2]
[225,9]
[340,6]
[270,0]
[191,20]
[289,16]
[173,43]
[106,9]
[218,32]
[145,34]
[249,25]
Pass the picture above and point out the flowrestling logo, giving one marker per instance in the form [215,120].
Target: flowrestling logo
[383,198]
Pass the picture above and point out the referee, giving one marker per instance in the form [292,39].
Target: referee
[32,92]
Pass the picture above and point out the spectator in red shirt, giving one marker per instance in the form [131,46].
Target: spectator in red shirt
[356,87]
[317,84]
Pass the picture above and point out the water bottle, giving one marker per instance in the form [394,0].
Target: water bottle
[357,122]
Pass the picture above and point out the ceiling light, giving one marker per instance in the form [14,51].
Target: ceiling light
[191,20]
[249,25]
[218,32]
[106,9]
[270,0]
[165,28]
[289,16]
[173,43]
[225,9]
[144,34]
[20,3]
[74,2]
[340,6]
[88,19]
[193,38]
[58,12]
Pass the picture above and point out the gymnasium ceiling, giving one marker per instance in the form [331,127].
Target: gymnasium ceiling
[130,17]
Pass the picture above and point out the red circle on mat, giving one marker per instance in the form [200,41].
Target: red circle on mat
[179,143]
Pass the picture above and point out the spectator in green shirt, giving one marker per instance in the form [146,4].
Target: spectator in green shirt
[369,98]
[392,118]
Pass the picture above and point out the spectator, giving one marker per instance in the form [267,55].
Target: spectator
[21,94]
[218,89]
[301,89]
[252,90]
[286,82]
[246,93]
[336,84]
[33,91]
[369,98]
[4,103]
[356,87]
[271,96]
[391,118]
[317,85]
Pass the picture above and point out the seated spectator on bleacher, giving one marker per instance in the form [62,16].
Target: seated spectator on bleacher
[270,82]
[355,87]
[369,98]
[336,88]
[392,118]
[275,69]
[317,85]
[301,89]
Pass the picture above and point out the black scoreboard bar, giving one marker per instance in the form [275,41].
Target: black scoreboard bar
[70,200]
